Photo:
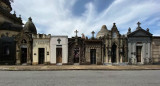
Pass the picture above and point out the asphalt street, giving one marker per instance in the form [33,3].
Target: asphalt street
[80,78]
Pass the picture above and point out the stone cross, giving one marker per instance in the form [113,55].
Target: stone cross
[59,40]
[138,24]
[93,34]
[76,32]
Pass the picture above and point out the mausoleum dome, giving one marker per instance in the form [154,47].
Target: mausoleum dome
[29,27]
[102,32]
[7,4]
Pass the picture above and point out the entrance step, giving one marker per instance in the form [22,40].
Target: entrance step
[114,64]
[59,64]
[107,63]
[24,64]
[76,63]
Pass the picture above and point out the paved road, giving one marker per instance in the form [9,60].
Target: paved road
[80,78]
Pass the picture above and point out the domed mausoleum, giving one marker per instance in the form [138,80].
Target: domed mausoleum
[29,27]
[102,32]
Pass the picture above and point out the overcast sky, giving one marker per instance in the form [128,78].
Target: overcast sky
[63,17]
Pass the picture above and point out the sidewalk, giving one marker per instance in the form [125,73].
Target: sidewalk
[78,67]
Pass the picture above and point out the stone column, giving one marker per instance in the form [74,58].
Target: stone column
[28,54]
[129,51]
[134,53]
[143,53]
[117,53]
[18,62]
[149,50]
[106,57]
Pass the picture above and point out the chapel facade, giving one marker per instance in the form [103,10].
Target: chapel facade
[115,45]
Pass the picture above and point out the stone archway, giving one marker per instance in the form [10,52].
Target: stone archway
[23,48]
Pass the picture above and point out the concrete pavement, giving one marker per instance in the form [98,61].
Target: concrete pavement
[80,78]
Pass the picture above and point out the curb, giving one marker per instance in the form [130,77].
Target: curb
[79,67]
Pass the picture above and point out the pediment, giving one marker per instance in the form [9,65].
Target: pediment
[140,33]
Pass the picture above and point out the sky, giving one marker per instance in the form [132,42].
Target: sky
[63,17]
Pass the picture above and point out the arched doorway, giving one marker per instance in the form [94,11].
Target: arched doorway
[23,51]
[113,53]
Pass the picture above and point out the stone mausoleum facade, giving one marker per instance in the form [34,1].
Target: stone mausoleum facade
[21,45]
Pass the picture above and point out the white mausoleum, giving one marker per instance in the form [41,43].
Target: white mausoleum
[41,49]
[59,50]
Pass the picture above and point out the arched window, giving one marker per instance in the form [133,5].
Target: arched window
[23,41]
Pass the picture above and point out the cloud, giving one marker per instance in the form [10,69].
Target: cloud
[56,16]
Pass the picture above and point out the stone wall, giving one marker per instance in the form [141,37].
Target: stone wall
[156,50]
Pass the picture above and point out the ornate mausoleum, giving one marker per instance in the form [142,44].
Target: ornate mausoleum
[21,45]
[115,45]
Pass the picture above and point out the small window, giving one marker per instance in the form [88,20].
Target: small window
[114,35]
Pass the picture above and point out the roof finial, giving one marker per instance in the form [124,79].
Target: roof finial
[114,24]
[14,12]
[129,30]
[83,36]
[30,19]
[19,16]
[138,24]
[76,32]
[93,34]
[147,30]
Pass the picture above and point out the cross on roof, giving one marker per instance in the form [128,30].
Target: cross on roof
[138,24]
[93,34]
[76,32]
[59,40]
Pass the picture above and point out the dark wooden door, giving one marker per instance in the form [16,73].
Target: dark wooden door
[59,55]
[113,53]
[23,55]
[138,53]
[41,55]
[93,56]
